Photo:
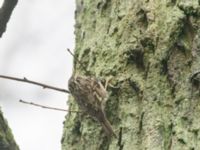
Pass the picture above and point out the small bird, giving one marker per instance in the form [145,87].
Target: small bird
[91,96]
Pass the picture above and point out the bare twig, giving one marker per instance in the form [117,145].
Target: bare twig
[45,86]
[74,56]
[76,59]
[47,107]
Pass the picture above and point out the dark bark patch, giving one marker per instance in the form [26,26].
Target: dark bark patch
[136,56]
[164,68]
[83,61]
[76,128]
[178,101]
[173,90]
[142,18]
[195,81]
[103,4]
[120,140]
[134,85]
[189,8]
[173,2]
[148,43]
[141,122]
[182,141]
[105,144]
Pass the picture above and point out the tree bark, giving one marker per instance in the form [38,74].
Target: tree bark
[5,13]
[151,50]
[7,141]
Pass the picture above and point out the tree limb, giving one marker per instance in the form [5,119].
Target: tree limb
[5,13]
[45,86]
[47,107]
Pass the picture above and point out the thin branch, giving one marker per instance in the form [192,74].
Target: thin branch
[45,86]
[76,59]
[47,107]
[5,13]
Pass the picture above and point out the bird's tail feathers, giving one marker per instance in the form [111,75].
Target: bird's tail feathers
[108,128]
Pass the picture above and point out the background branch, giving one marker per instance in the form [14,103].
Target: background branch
[47,107]
[45,86]
[5,13]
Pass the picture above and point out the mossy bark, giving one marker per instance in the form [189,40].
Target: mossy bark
[7,141]
[151,50]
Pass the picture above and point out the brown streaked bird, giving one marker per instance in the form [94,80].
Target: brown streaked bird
[91,95]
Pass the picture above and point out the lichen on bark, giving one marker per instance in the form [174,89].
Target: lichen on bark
[7,141]
[151,50]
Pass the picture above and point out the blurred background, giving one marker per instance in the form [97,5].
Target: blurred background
[34,46]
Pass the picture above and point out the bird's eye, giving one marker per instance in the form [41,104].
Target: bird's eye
[78,79]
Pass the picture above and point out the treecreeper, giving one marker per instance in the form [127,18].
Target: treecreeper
[91,95]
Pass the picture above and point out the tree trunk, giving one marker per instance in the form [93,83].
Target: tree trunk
[151,49]
[7,141]
[6,138]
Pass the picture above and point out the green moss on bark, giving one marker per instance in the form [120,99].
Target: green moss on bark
[150,49]
[7,141]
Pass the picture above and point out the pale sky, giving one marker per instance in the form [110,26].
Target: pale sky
[34,46]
